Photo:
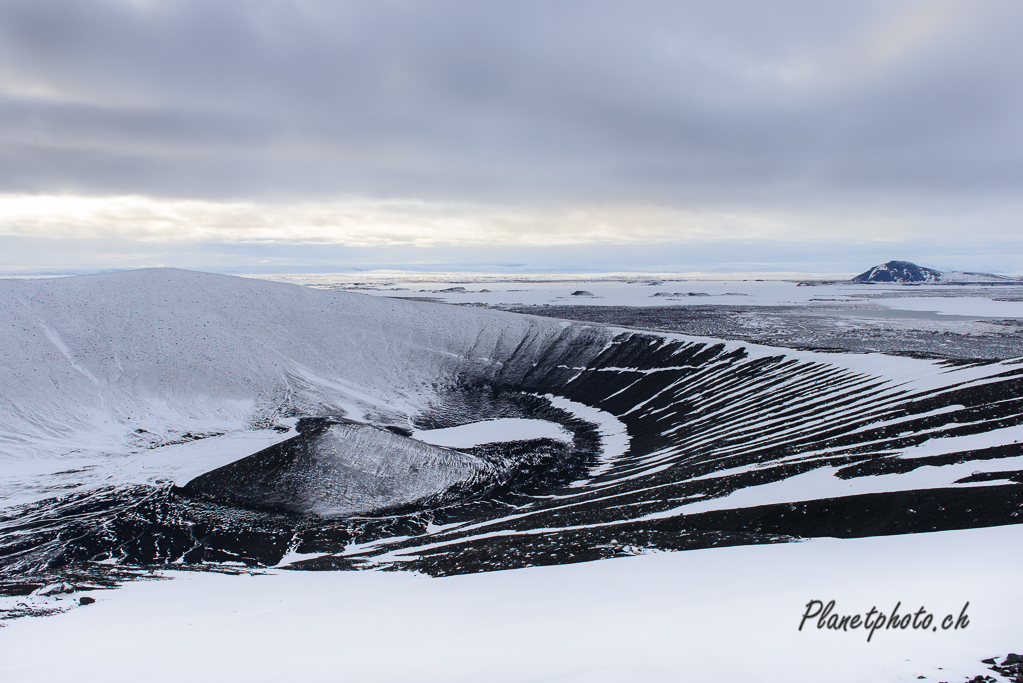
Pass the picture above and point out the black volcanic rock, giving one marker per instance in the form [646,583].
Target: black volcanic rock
[339,468]
[899,271]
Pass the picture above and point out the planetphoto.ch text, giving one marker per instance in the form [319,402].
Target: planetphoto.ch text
[823,616]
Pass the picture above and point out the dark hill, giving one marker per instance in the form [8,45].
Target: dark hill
[899,271]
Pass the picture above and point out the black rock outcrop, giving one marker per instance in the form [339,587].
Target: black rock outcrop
[899,271]
[338,468]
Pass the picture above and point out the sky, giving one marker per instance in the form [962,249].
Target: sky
[289,135]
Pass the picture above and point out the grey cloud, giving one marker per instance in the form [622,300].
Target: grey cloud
[683,103]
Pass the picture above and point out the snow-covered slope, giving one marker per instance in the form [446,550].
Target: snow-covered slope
[126,360]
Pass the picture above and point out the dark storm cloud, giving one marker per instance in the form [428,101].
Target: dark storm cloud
[668,102]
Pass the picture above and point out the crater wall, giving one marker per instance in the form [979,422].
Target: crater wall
[727,443]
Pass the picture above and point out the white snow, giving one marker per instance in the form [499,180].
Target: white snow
[89,360]
[959,276]
[493,431]
[29,480]
[614,438]
[970,442]
[731,289]
[97,370]
[822,483]
[728,614]
[959,305]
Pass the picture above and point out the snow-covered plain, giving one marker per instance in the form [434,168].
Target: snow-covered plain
[728,614]
[973,301]
[978,305]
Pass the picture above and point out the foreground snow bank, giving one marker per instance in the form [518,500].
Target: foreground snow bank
[726,614]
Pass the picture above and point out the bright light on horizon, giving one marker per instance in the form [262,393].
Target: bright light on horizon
[386,223]
[50,232]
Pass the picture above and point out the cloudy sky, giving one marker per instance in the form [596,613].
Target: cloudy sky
[306,134]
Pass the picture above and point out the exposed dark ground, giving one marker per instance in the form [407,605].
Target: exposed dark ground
[802,328]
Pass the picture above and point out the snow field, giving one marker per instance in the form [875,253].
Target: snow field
[728,614]
[680,289]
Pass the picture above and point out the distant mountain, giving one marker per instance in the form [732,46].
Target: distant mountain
[905,272]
